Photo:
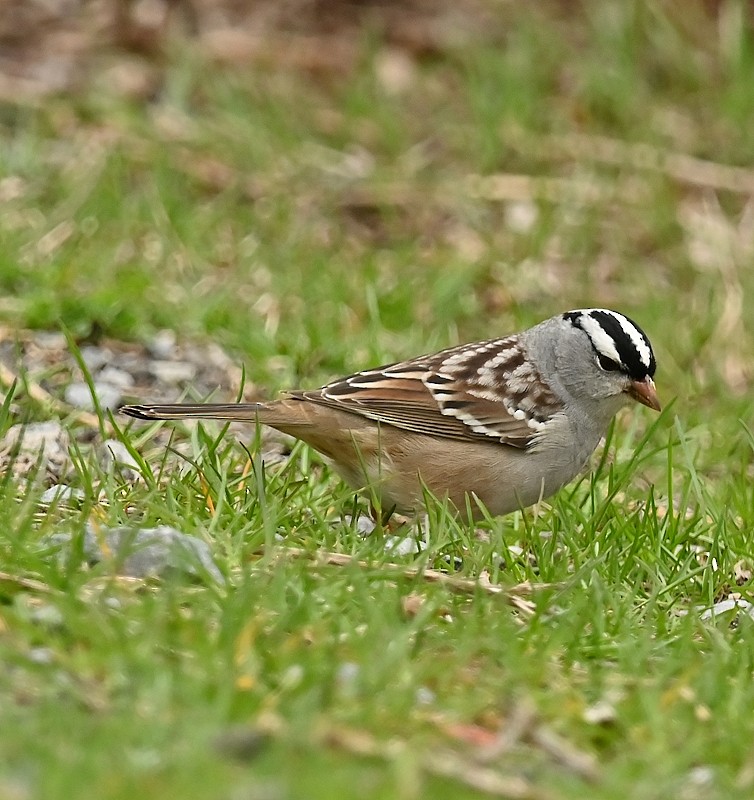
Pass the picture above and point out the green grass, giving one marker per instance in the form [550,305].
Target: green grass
[317,226]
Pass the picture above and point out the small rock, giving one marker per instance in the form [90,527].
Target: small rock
[521,215]
[50,340]
[699,784]
[42,655]
[95,357]
[172,371]
[363,525]
[702,775]
[600,713]
[726,606]
[402,545]
[145,552]
[114,456]
[61,493]
[78,395]
[47,615]
[425,696]
[347,673]
[49,438]
[162,344]
[39,446]
[115,377]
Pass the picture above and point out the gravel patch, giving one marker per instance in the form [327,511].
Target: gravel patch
[162,370]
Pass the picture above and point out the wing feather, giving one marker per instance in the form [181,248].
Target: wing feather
[470,392]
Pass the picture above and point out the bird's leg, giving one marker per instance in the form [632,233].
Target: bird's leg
[380,516]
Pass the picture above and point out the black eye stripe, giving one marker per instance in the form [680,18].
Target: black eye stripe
[608,364]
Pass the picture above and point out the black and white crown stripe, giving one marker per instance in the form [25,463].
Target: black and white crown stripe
[618,338]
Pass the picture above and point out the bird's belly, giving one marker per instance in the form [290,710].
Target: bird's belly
[502,479]
[518,481]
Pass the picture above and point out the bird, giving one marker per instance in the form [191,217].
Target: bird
[491,426]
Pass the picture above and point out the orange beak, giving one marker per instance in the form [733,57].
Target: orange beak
[644,392]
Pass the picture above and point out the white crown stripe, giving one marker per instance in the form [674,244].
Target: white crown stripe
[601,340]
[638,341]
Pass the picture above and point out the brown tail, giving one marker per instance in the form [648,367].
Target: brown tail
[246,412]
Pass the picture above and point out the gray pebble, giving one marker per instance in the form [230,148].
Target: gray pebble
[364,525]
[60,493]
[402,545]
[109,396]
[42,655]
[47,615]
[50,340]
[28,448]
[425,696]
[48,437]
[78,395]
[145,552]
[172,371]
[726,606]
[347,672]
[162,344]
[115,377]
[114,456]
[95,357]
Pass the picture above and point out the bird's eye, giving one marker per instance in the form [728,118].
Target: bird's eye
[608,364]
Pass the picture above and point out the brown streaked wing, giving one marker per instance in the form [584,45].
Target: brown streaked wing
[399,395]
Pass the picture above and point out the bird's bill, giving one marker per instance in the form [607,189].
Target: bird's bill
[644,392]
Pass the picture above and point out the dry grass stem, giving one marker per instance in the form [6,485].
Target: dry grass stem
[639,157]
[513,595]
[446,764]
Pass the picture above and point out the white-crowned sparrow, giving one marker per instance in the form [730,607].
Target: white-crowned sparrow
[506,422]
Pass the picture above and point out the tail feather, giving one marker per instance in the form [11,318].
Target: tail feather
[245,412]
